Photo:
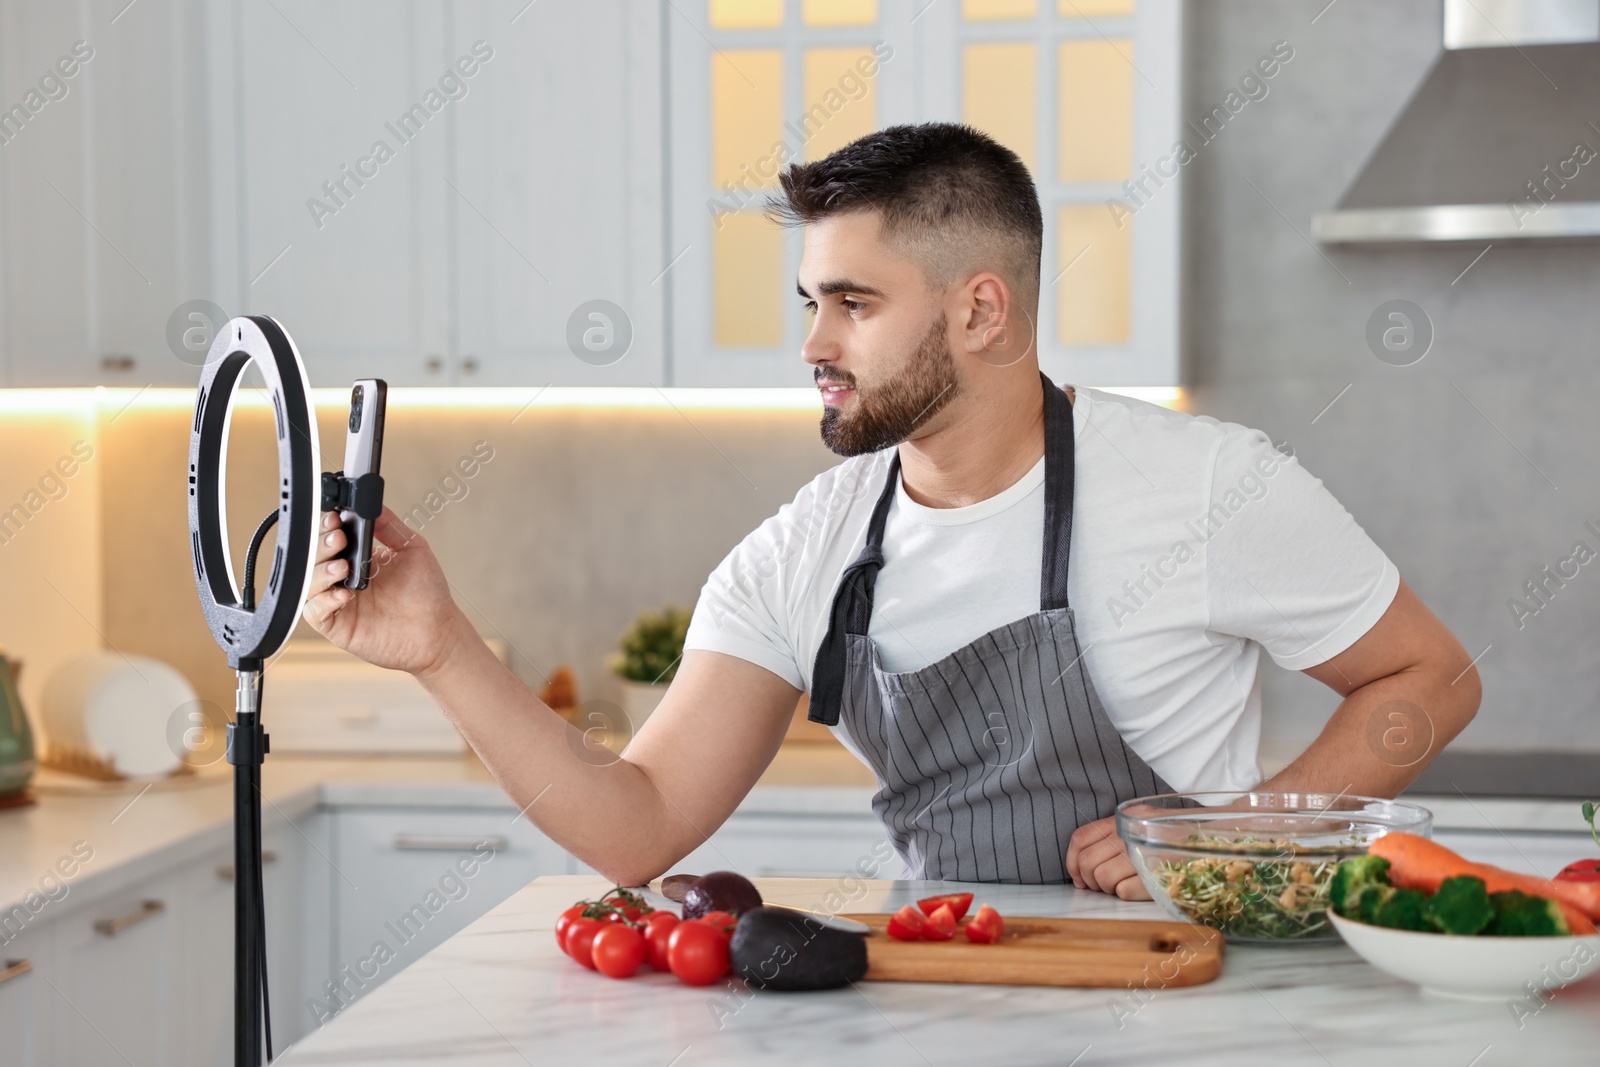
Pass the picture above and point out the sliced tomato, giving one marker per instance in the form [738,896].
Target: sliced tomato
[985,927]
[959,903]
[907,923]
[1580,871]
[941,924]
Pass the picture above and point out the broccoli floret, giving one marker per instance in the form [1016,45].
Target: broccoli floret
[1517,914]
[1352,879]
[1460,906]
[1403,909]
[1369,900]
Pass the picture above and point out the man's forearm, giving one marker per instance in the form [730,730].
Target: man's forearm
[605,810]
[1383,734]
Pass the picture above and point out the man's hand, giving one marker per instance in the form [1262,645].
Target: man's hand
[404,619]
[1098,859]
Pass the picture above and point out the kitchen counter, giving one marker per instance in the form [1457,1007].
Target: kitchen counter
[135,830]
[500,994]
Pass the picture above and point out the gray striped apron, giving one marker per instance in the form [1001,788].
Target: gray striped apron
[988,759]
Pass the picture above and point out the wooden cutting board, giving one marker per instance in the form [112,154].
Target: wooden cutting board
[1035,950]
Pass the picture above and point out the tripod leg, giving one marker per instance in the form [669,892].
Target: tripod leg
[244,752]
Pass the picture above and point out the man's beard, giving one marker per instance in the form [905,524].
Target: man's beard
[889,413]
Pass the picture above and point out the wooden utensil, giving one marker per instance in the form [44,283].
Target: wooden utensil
[1035,950]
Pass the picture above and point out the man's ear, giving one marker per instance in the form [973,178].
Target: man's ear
[985,311]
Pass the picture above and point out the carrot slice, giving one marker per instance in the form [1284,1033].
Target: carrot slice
[1418,863]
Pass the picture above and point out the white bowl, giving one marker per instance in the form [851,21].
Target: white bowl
[1473,968]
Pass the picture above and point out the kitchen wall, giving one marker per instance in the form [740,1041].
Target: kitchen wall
[50,535]
[581,518]
[1473,468]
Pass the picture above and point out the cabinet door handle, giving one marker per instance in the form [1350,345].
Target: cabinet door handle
[225,871]
[425,843]
[113,927]
[118,361]
[14,969]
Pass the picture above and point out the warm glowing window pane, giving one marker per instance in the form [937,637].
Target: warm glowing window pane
[839,98]
[1077,9]
[748,248]
[997,94]
[840,12]
[986,10]
[745,14]
[746,114]
[1092,296]
[1094,142]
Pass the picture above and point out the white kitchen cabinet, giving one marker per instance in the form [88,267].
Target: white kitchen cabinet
[117,964]
[341,241]
[558,198]
[103,214]
[205,977]
[405,880]
[27,1004]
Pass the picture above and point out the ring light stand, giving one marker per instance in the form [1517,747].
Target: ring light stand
[247,630]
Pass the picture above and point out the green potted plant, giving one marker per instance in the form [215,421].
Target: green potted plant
[647,658]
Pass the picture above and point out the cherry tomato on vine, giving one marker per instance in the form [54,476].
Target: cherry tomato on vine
[565,921]
[618,950]
[697,952]
[579,942]
[658,927]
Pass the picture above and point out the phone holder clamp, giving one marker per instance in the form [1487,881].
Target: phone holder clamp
[362,495]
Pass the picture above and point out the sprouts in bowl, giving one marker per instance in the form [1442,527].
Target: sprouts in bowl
[1255,866]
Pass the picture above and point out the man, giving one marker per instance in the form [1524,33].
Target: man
[1019,604]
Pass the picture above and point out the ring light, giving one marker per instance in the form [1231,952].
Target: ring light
[247,630]
[250,635]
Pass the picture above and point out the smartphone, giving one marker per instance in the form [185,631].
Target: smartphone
[363,449]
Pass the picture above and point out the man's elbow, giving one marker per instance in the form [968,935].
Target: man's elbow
[1459,701]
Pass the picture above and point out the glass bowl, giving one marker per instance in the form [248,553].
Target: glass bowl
[1255,866]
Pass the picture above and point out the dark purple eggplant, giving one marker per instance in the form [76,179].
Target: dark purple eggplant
[720,891]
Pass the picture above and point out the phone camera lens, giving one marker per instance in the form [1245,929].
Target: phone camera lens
[355,409]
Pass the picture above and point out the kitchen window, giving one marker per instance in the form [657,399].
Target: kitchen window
[1085,91]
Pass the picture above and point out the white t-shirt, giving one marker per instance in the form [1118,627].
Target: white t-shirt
[1195,544]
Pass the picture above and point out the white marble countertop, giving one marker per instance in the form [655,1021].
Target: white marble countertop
[500,994]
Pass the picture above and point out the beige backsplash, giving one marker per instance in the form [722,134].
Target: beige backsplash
[581,518]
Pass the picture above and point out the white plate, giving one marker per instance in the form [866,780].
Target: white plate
[1473,968]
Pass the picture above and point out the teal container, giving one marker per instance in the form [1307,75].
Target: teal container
[18,761]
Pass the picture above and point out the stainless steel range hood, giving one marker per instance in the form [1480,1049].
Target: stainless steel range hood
[1501,142]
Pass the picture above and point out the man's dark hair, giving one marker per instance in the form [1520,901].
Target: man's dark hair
[954,198]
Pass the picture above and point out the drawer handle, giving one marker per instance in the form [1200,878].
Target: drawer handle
[225,872]
[425,843]
[113,927]
[14,969]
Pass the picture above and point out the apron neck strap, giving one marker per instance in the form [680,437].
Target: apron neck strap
[852,611]
[852,602]
[1060,462]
